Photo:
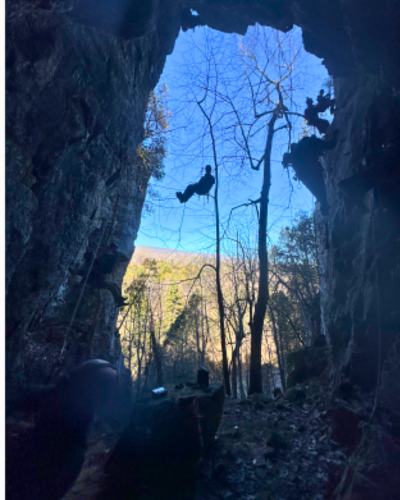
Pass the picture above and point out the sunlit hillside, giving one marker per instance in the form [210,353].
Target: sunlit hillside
[171,325]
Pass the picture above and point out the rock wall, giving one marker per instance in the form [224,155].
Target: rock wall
[359,243]
[76,102]
[78,78]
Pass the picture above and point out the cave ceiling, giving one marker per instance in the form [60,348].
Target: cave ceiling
[345,34]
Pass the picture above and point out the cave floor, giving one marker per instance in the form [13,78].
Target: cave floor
[263,451]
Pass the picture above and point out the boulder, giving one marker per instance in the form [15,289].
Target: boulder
[295,395]
[164,441]
[305,364]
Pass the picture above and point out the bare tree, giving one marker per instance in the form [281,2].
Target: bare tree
[245,107]
[209,118]
[268,96]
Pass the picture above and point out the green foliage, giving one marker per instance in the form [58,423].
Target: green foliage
[185,322]
[173,304]
[135,327]
[296,295]
[295,255]
[163,298]
[153,149]
[182,311]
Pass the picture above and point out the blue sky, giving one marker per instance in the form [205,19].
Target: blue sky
[191,226]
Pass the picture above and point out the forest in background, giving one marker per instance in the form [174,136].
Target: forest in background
[242,309]
[171,326]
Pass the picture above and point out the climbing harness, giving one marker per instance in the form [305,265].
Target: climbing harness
[204,195]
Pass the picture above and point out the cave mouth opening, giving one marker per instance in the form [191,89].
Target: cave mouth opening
[211,65]
[206,61]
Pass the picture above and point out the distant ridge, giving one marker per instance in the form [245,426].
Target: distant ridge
[167,254]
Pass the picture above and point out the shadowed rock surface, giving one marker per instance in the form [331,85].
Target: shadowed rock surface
[76,102]
[78,79]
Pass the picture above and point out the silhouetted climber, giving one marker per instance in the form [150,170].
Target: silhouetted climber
[44,456]
[311,115]
[304,160]
[325,102]
[202,187]
[189,21]
[104,264]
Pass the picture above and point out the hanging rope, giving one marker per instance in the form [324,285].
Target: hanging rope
[378,307]
[81,295]
[112,222]
[114,214]
[59,363]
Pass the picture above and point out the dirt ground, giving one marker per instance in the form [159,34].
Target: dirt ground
[264,450]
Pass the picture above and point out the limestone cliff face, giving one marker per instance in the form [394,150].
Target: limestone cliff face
[78,78]
[360,240]
[76,101]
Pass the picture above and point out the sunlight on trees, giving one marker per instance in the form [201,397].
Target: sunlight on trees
[177,300]
[241,311]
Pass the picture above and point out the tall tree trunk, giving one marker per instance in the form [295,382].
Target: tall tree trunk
[206,334]
[139,379]
[270,363]
[203,346]
[282,351]
[234,373]
[156,353]
[220,298]
[198,346]
[221,310]
[306,318]
[278,353]
[147,372]
[240,376]
[263,281]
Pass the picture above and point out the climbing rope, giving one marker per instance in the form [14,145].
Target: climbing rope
[81,295]
[112,222]
[59,363]
[114,214]
[378,307]
[204,196]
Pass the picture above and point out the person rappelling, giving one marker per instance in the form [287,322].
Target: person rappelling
[325,102]
[312,118]
[311,113]
[201,188]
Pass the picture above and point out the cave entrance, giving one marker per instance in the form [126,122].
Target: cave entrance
[230,76]
[200,58]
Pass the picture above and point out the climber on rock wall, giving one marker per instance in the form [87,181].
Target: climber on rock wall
[104,264]
[325,102]
[311,115]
